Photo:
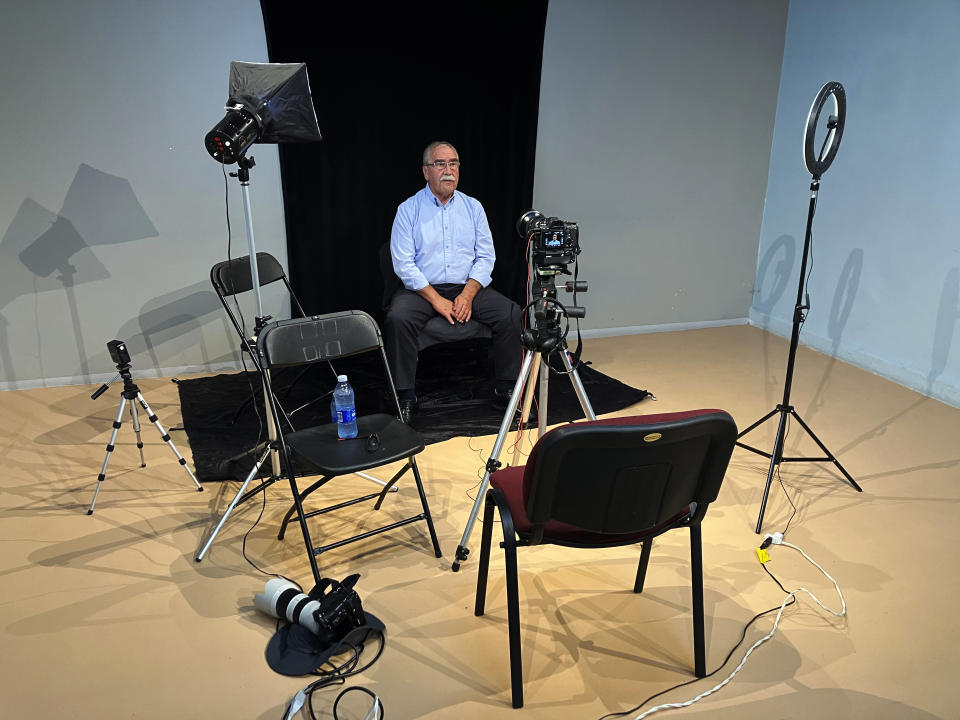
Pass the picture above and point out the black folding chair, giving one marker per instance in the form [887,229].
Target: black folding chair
[381,438]
[608,483]
[233,277]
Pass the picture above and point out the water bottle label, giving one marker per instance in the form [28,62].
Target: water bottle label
[346,415]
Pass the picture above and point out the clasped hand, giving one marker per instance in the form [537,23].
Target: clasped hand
[460,309]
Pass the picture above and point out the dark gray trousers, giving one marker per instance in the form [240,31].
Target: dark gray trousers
[409,312]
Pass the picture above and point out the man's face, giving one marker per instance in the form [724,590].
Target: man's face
[443,180]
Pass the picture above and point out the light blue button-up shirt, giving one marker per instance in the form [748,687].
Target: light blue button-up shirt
[432,243]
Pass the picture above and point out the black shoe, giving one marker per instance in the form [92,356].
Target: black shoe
[501,398]
[407,410]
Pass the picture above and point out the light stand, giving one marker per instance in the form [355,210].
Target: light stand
[118,351]
[267,103]
[544,338]
[817,164]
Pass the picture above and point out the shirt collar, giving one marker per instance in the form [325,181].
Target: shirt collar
[434,199]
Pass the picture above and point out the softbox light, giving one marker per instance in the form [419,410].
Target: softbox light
[267,103]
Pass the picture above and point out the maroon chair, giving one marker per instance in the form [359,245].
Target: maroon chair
[608,483]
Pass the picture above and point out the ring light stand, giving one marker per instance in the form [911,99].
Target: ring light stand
[817,164]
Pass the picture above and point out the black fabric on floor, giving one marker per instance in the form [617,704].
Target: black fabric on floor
[454,389]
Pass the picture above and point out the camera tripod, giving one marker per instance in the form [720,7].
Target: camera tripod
[528,372]
[132,393]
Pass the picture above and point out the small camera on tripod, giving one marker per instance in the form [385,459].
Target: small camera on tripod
[118,352]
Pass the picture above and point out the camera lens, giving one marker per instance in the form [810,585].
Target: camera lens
[283,599]
[526,221]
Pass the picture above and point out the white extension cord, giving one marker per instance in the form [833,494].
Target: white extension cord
[775,539]
[300,699]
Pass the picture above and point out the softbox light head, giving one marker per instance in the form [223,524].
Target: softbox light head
[267,103]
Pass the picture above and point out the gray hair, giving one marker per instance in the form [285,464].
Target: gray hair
[437,143]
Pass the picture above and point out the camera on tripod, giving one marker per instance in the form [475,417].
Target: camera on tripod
[118,352]
[554,242]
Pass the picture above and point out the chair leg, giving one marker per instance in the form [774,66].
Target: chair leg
[513,614]
[484,564]
[696,571]
[293,507]
[298,508]
[509,545]
[645,547]
[426,508]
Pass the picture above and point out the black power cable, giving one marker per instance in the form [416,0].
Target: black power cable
[743,637]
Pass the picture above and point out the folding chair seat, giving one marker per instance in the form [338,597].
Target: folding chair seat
[381,438]
[608,483]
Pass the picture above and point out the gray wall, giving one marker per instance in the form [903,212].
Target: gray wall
[886,276]
[654,135]
[111,211]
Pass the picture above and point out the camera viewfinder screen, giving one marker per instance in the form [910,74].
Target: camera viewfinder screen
[554,240]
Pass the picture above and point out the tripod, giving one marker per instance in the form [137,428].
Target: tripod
[543,340]
[817,165]
[132,393]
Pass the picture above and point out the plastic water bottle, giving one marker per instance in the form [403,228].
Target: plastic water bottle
[346,409]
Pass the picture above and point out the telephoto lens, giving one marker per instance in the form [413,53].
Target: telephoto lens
[283,599]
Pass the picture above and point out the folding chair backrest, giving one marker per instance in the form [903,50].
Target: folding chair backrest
[233,276]
[319,337]
[625,475]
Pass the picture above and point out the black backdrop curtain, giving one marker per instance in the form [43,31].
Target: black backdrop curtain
[386,80]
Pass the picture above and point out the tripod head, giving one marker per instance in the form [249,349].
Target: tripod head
[550,321]
[244,164]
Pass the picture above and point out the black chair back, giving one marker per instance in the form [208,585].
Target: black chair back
[627,475]
[233,276]
[319,337]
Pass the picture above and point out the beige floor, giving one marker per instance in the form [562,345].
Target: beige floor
[108,616]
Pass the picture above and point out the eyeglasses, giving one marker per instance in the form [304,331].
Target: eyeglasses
[444,164]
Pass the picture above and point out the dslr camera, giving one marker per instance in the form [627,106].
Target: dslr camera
[329,611]
[554,243]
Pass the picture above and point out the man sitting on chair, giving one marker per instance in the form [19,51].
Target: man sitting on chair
[442,251]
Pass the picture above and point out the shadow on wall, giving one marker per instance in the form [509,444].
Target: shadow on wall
[774,272]
[773,276]
[183,313]
[44,251]
[948,313]
[843,298]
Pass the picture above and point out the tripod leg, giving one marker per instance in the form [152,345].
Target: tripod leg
[233,503]
[135,417]
[758,423]
[830,455]
[544,396]
[271,434]
[493,462]
[775,458]
[578,386]
[166,438]
[525,412]
[106,459]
